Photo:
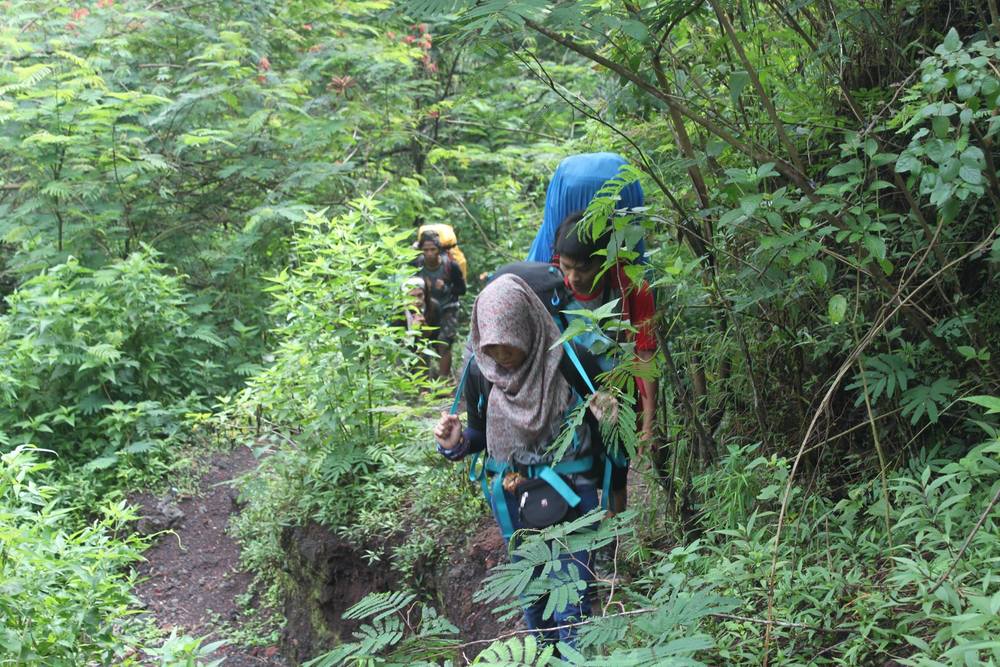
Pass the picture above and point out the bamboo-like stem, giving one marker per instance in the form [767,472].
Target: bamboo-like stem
[881,455]
[765,99]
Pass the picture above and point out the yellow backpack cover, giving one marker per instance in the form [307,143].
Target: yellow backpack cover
[449,243]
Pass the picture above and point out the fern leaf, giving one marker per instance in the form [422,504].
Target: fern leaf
[379,605]
[517,652]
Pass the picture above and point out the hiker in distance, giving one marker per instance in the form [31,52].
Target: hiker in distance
[446,283]
[519,390]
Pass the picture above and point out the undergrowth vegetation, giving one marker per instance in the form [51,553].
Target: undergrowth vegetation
[66,589]
[206,213]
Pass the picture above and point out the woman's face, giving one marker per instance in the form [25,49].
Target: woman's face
[507,356]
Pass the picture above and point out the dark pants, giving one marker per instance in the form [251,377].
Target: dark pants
[574,611]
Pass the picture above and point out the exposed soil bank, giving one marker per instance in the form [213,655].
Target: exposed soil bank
[330,575]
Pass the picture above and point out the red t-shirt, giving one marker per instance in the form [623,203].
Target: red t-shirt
[637,305]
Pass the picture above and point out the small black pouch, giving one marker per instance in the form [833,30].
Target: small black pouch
[540,505]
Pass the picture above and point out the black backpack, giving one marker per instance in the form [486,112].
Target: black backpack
[546,280]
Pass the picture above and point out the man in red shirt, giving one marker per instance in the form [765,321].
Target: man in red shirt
[581,265]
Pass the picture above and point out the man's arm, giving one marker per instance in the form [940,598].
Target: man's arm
[647,396]
[458,286]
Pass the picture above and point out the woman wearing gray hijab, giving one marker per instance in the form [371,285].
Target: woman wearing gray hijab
[521,385]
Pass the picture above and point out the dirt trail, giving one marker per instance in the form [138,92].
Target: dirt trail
[192,576]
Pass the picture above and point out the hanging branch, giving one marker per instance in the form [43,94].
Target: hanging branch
[782,166]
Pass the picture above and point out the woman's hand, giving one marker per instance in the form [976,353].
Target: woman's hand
[604,406]
[448,431]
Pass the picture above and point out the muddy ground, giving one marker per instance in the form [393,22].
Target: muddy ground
[192,578]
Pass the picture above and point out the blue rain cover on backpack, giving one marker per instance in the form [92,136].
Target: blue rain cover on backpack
[575,182]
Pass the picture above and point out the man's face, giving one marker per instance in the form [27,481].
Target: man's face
[431,253]
[580,275]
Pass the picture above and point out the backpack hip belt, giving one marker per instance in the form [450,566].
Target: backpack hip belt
[552,474]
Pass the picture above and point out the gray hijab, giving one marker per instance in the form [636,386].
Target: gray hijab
[527,406]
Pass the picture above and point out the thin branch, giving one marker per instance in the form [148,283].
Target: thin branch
[760,155]
[765,99]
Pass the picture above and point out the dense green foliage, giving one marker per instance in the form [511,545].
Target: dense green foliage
[91,359]
[205,214]
[66,590]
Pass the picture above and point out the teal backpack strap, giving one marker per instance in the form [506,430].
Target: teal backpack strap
[608,459]
[571,353]
[473,475]
[488,465]
[500,501]
[497,469]
[461,387]
[606,485]
[560,485]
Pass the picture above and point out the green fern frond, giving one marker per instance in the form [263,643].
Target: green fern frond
[516,652]
[27,78]
[379,605]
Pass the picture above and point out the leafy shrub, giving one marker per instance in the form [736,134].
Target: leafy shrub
[65,592]
[847,593]
[657,621]
[843,591]
[100,366]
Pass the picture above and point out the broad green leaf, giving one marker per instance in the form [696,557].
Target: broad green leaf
[837,308]
[738,80]
[991,403]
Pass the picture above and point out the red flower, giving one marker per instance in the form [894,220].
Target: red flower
[264,64]
[261,79]
[105,4]
[307,26]
[423,28]
[81,13]
[434,113]
[409,39]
